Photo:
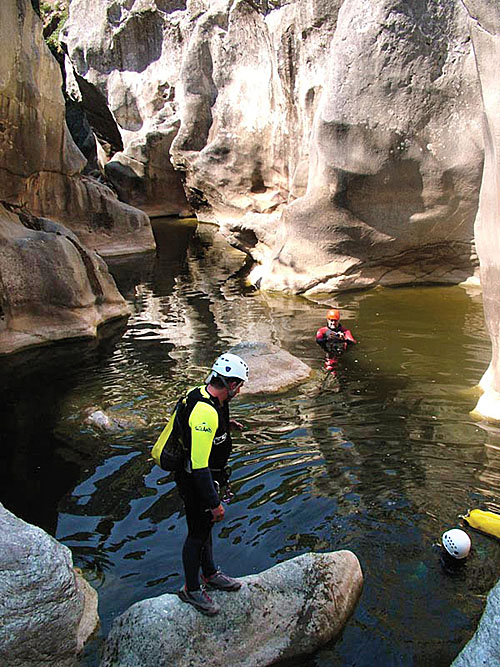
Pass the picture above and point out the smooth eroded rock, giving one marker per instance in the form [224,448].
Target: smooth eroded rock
[271,369]
[484,647]
[47,610]
[287,611]
[52,287]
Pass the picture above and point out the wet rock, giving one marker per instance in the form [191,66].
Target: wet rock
[484,647]
[287,611]
[47,610]
[112,421]
[271,369]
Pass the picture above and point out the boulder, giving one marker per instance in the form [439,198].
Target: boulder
[285,612]
[271,369]
[47,610]
[484,647]
[112,421]
[52,288]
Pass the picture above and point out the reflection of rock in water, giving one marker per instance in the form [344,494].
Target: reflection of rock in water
[359,456]
[33,474]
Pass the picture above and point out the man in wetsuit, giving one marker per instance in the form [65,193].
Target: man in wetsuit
[200,484]
[334,338]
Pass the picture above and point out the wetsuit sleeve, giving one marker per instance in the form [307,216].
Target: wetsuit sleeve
[321,337]
[203,422]
[348,336]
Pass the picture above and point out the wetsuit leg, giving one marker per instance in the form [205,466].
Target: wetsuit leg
[207,558]
[197,549]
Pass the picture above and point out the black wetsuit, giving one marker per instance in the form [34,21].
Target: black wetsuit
[207,429]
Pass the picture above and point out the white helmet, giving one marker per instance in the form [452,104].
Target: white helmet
[457,543]
[230,366]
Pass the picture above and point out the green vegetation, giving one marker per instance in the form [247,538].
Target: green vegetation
[54,15]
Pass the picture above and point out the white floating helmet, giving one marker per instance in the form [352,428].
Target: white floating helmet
[229,365]
[457,543]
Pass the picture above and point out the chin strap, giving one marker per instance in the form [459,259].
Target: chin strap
[231,392]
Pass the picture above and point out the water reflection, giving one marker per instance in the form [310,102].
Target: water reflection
[379,459]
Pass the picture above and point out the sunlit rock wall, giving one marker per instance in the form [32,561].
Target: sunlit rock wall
[338,143]
[485,30]
[395,155]
[39,163]
[132,53]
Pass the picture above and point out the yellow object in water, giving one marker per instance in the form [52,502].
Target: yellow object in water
[486,522]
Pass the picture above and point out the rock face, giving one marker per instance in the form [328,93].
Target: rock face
[51,287]
[484,647]
[485,30]
[39,163]
[47,610]
[271,369]
[282,613]
[131,54]
[396,155]
[338,143]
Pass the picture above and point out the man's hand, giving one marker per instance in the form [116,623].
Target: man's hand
[237,425]
[217,513]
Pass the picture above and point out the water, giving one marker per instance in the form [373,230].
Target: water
[379,459]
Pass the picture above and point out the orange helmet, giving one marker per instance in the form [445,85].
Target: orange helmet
[333,314]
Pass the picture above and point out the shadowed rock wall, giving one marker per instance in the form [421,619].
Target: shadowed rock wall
[52,285]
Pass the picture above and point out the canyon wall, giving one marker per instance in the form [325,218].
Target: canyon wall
[53,286]
[484,20]
[337,143]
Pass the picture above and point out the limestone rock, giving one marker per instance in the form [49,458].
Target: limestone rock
[92,211]
[396,156]
[484,23]
[40,165]
[338,144]
[137,77]
[112,421]
[484,647]
[47,610]
[287,611]
[271,369]
[52,288]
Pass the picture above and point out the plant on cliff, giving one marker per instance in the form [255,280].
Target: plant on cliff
[54,14]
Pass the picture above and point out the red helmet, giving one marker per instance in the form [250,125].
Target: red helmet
[333,314]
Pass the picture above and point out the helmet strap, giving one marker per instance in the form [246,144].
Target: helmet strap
[230,392]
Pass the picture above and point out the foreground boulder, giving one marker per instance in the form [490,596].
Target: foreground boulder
[286,611]
[484,647]
[272,370]
[47,610]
